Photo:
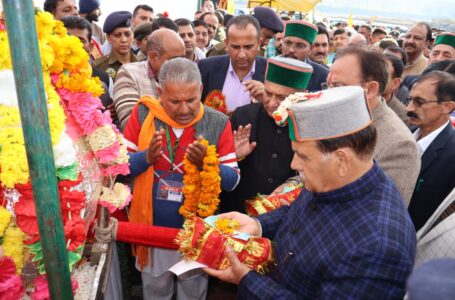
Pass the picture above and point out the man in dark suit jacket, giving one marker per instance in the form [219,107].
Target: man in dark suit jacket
[239,75]
[263,147]
[213,71]
[432,99]
[297,41]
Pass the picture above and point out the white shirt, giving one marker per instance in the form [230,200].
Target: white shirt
[426,141]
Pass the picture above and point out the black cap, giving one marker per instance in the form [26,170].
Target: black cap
[143,30]
[268,18]
[117,19]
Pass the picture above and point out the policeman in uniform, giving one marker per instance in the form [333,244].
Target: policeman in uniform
[118,32]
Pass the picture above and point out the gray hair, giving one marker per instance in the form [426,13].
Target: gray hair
[180,70]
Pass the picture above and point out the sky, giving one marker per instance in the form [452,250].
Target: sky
[424,10]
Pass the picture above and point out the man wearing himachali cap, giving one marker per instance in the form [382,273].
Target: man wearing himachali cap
[264,148]
[348,234]
[297,41]
[444,48]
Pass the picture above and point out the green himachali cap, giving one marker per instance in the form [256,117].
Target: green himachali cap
[301,29]
[288,72]
[332,113]
[446,38]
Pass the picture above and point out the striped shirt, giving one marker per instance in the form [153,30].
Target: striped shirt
[133,81]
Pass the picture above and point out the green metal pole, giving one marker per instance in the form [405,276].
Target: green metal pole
[20,22]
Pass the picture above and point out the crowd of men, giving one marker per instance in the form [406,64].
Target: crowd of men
[376,152]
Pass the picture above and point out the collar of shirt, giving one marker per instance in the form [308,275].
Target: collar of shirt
[248,76]
[113,58]
[198,55]
[426,141]
[150,73]
[353,190]
[418,60]
[234,90]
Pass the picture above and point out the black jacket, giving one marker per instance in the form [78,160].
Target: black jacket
[436,179]
[268,166]
[213,71]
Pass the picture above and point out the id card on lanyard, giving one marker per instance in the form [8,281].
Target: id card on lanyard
[170,189]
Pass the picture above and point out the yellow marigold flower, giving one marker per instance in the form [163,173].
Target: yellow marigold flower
[5,218]
[45,24]
[201,188]
[227,226]
[5,57]
[13,246]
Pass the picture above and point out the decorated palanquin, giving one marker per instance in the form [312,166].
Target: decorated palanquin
[203,242]
[88,153]
[263,204]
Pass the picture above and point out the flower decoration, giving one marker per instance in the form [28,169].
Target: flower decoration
[13,246]
[200,241]
[263,204]
[26,216]
[227,226]
[41,291]
[216,100]
[115,198]
[75,118]
[75,233]
[5,218]
[281,114]
[10,282]
[201,188]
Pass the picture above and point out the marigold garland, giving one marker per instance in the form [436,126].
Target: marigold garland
[201,188]
[227,226]
[66,70]
[216,100]
[13,246]
[5,218]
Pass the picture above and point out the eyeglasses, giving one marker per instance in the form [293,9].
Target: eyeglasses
[418,102]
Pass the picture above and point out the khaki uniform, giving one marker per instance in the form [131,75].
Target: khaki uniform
[110,64]
[218,49]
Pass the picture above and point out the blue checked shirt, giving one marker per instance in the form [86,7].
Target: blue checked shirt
[356,242]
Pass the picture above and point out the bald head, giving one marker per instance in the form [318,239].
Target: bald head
[357,40]
[164,38]
[162,45]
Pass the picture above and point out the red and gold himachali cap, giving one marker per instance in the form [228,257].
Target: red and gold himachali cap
[333,113]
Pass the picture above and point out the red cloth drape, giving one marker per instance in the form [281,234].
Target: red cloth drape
[147,235]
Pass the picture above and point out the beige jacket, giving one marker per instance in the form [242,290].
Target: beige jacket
[396,150]
[436,241]
[416,68]
[131,83]
[399,109]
